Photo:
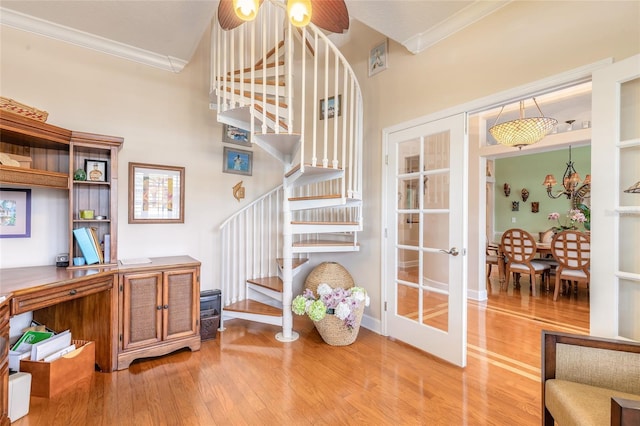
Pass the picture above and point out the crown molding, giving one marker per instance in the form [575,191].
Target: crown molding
[34,25]
[467,16]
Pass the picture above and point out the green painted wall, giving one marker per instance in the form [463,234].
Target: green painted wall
[529,171]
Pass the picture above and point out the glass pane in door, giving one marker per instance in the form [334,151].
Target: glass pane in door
[435,291]
[630,109]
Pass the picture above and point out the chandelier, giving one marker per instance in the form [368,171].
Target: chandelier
[522,131]
[572,185]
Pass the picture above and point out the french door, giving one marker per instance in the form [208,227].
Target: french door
[426,225]
[615,215]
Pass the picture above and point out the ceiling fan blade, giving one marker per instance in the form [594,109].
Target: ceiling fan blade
[330,15]
[227,16]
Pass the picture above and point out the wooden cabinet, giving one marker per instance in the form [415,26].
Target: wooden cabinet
[55,154]
[159,308]
[4,363]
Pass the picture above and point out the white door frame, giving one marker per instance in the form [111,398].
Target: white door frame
[477,161]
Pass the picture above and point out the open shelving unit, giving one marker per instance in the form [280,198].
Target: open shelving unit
[55,154]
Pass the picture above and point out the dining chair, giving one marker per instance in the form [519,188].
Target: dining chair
[491,256]
[572,251]
[519,247]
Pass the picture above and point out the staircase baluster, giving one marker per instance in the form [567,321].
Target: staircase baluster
[314,154]
[337,106]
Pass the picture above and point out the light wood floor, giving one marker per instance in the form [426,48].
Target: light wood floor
[246,377]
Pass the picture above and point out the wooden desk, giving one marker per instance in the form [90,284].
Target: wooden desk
[84,301]
[542,249]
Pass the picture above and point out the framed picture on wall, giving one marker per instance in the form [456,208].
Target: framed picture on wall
[156,193]
[236,135]
[238,161]
[329,108]
[15,213]
[378,58]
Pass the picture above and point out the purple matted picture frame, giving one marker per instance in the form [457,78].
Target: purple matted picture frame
[15,213]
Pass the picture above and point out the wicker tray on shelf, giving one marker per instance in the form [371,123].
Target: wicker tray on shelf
[15,107]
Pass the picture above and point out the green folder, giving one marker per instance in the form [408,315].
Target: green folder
[29,338]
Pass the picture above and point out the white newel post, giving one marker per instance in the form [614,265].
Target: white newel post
[287,334]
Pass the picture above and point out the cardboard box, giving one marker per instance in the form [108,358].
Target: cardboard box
[52,378]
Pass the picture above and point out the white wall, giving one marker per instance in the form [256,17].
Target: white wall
[164,119]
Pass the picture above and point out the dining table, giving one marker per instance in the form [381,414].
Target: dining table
[542,250]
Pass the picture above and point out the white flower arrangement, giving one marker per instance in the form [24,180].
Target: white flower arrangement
[333,301]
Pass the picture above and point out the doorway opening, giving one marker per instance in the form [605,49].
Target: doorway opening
[515,197]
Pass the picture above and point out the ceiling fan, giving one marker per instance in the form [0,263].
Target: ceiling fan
[330,15]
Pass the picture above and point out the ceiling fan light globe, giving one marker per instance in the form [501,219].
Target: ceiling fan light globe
[299,12]
[246,9]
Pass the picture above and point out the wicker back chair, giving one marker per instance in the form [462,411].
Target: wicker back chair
[519,247]
[572,251]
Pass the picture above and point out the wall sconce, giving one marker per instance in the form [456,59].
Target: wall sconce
[238,191]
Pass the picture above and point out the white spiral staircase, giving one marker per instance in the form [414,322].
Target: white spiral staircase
[268,77]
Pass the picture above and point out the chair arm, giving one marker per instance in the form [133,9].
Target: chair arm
[624,412]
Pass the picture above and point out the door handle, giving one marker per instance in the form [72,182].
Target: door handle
[453,252]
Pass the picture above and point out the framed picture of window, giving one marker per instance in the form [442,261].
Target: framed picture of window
[156,193]
[238,161]
[15,213]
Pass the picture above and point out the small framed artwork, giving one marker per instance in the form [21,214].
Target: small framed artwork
[330,108]
[156,193]
[515,206]
[96,170]
[238,161]
[232,134]
[15,213]
[378,57]
[535,207]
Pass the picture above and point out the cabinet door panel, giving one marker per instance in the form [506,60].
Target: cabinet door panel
[180,300]
[142,313]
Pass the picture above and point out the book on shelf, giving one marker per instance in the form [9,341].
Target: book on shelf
[87,247]
[107,248]
[96,243]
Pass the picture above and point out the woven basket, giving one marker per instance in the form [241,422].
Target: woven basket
[331,273]
[331,328]
[335,333]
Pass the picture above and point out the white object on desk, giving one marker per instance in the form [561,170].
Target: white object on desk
[19,392]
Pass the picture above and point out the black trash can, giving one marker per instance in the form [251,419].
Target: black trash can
[210,309]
